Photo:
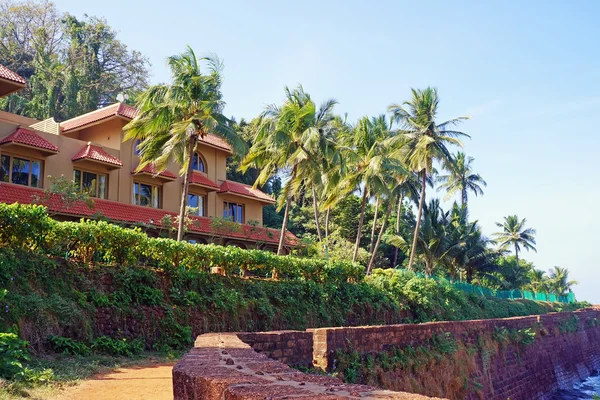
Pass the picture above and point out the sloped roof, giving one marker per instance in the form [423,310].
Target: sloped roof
[29,138]
[200,179]
[215,141]
[129,213]
[9,75]
[96,153]
[243,190]
[114,110]
[128,112]
[150,169]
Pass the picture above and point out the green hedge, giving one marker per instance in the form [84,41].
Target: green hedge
[30,227]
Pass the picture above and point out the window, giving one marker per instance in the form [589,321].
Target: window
[95,185]
[198,163]
[146,195]
[21,171]
[233,211]
[197,203]
[136,150]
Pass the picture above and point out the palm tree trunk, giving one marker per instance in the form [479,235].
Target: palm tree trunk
[381,231]
[327,224]
[314,195]
[398,216]
[327,234]
[463,199]
[186,185]
[286,216]
[418,223]
[374,226]
[517,254]
[360,224]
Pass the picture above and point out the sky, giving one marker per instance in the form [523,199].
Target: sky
[527,73]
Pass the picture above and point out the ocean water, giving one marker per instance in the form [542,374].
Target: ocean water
[585,390]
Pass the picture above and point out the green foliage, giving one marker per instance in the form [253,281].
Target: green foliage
[71,65]
[166,287]
[67,345]
[570,325]
[23,225]
[13,352]
[117,347]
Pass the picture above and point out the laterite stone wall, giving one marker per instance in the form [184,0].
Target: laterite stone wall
[563,353]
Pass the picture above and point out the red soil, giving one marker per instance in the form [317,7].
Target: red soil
[149,382]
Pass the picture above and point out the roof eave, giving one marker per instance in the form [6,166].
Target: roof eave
[157,176]
[108,164]
[265,201]
[40,149]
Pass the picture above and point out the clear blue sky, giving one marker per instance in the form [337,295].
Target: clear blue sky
[526,72]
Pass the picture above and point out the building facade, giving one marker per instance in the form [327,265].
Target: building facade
[89,149]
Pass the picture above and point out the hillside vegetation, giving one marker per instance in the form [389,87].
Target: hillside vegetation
[91,279]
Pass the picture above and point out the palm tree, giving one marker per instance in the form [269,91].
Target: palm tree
[559,281]
[428,141]
[514,233]
[172,118]
[461,179]
[368,152]
[538,280]
[291,137]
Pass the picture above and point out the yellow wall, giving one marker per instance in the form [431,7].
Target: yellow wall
[108,134]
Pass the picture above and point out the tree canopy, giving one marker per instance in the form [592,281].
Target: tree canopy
[71,65]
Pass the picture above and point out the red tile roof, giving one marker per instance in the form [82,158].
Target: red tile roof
[129,213]
[200,179]
[7,74]
[241,189]
[150,169]
[129,112]
[29,138]
[117,109]
[215,141]
[96,153]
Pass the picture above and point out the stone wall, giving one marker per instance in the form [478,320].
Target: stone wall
[372,339]
[223,367]
[565,351]
[290,347]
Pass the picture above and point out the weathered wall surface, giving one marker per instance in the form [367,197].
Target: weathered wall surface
[223,367]
[566,350]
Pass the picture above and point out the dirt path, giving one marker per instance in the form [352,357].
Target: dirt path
[149,382]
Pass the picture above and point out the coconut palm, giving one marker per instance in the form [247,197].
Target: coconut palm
[172,118]
[290,138]
[514,233]
[428,141]
[538,280]
[461,179]
[369,152]
[559,281]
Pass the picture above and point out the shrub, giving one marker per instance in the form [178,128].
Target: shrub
[117,347]
[13,351]
[69,346]
[87,241]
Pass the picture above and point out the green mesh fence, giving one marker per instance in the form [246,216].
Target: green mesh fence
[500,294]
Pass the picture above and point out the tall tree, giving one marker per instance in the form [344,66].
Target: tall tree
[173,117]
[559,281]
[514,233]
[428,141]
[369,149]
[461,179]
[290,138]
[71,65]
